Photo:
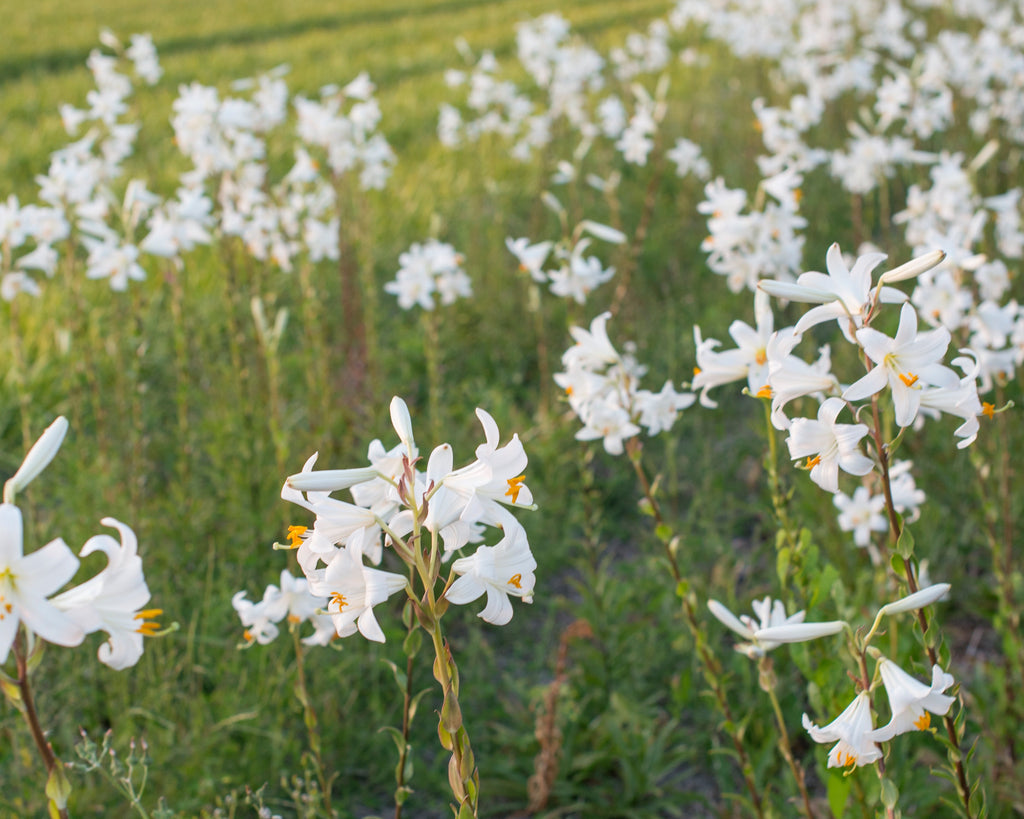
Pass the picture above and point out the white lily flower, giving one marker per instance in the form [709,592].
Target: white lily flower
[828,446]
[906,363]
[844,294]
[507,568]
[113,600]
[25,583]
[912,702]
[772,627]
[851,731]
[352,590]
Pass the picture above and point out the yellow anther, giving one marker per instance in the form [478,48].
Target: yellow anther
[988,410]
[149,628]
[764,392]
[516,580]
[849,761]
[923,721]
[909,379]
[294,619]
[247,636]
[296,535]
[568,390]
[514,485]
[813,462]
[338,599]
[762,356]
[696,370]
[798,194]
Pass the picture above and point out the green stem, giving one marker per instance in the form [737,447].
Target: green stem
[767,678]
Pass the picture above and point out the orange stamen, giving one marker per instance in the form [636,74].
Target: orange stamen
[762,356]
[149,628]
[764,392]
[295,536]
[813,462]
[696,370]
[514,486]
[339,600]
[923,721]
[515,580]
[988,410]
[909,379]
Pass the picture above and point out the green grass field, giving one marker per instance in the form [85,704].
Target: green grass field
[184,427]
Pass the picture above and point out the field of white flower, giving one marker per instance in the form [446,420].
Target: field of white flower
[503,412]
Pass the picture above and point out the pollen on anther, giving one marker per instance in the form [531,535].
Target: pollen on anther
[988,410]
[923,721]
[514,487]
[338,599]
[516,580]
[764,392]
[149,628]
[296,535]
[909,379]
[813,462]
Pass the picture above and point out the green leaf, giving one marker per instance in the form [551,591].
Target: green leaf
[663,532]
[415,702]
[396,737]
[413,641]
[397,673]
[58,788]
[890,793]
[905,543]
[11,691]
[782,565]
[838,788]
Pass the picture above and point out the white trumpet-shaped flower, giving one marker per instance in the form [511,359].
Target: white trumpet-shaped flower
[852,733]
[25,583]
[912,702]
[503,570]
[113,600]
[352,590]
[828,446]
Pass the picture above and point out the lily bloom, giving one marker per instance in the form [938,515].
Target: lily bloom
[852,733]
[828,446]
[25,583]
[912,702]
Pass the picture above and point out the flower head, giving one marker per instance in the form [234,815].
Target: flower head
[852,733]
[912,702]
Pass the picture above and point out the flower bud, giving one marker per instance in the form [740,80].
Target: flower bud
[330,480]
[38,458]
[917,600]
[913,268]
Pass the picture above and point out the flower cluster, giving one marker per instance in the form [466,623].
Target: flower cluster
[291,601]
[603,388]
[427,272]
[423,517]
[911,702]
[574,274]
[111,601]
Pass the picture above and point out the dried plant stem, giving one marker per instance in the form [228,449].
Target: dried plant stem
[28,710]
